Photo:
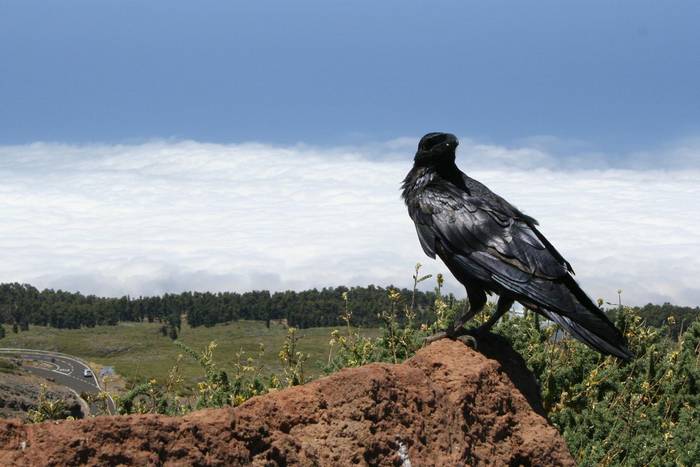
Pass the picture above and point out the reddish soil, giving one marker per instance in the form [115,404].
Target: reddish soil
[448,405]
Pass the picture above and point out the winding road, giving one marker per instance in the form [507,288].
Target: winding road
[62,369]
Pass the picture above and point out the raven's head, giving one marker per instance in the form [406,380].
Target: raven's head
[436,148]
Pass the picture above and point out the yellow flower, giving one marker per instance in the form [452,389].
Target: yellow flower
[394,295]
[238,400]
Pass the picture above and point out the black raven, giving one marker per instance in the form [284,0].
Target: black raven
[492,247]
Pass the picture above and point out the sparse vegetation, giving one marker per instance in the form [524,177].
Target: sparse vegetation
[48,408]
[8,366]
[401,334]
[217,388]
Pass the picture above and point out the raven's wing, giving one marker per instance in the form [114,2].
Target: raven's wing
[492,241]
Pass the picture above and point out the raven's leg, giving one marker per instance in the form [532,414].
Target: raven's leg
[477,300]
[503,305]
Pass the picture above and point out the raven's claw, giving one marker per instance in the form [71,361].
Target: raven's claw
[436,337]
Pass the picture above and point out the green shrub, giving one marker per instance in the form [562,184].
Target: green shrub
[645,412]
[48,408]
[216,389]
[401,337]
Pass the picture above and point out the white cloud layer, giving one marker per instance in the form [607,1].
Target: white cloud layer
[173,216]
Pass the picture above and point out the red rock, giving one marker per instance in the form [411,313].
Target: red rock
[448,405]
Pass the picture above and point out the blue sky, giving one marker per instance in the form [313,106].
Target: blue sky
[607,76]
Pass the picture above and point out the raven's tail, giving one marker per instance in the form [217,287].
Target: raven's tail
[607,346]
[576,313]
[563,301]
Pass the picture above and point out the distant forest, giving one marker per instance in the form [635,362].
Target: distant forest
[22,305]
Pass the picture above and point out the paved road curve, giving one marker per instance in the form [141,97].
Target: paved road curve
[64,369]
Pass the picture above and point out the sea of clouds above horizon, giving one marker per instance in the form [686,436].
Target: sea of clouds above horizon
[170,216]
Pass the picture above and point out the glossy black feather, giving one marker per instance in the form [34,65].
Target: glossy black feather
[491,246]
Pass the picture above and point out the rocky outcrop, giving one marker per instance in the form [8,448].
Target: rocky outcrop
[448,405]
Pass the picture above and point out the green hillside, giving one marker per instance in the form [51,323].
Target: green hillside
[138,350]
